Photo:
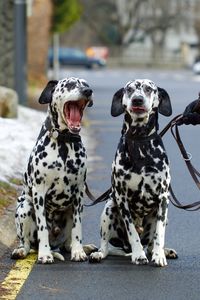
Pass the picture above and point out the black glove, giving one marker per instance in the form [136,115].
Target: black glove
[191,107]
[189,117]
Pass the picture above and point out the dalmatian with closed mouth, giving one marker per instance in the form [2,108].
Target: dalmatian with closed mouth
[134,218]
[49,210]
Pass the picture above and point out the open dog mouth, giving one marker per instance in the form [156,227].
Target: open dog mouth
[73,113]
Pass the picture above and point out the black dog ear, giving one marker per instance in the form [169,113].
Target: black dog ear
[46,95]
[165,107]
[117,107]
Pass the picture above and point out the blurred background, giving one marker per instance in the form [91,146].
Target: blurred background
[37,37]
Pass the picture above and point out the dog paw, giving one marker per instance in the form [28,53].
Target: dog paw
[159,259]
[170,253]
[78,255]
[96,257]
[19,253]
[45,258]
[139,259]
[89,248]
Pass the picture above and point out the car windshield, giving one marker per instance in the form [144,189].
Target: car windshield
[72,52]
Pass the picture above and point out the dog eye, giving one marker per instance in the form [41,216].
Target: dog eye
[148,89]
[129,90]
[84,83]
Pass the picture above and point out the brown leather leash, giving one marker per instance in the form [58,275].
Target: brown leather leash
[88,193]
[173,125]
[187,158]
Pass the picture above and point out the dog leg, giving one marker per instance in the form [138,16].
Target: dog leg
[106,225]
[158,252]
[148,235]
[44,252]
[68,231]
[26,228]
[138,255]
[77,252]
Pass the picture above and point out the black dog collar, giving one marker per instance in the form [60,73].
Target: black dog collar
[63,136]
[140,138]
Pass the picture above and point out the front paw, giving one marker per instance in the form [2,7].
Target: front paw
[170,253]
[19,253]
[159,259]
[45,258]
[89,248]
[139,258]
[96,257]
[78,255]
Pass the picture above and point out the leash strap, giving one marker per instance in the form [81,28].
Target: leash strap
[192,170]
[189,207]
[88,193]
[168,126]
[101,198]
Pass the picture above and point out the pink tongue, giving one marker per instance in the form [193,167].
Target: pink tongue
[74,115]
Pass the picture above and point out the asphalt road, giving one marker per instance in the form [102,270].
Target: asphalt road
[116,278]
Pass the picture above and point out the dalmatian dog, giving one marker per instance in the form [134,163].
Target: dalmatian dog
[135,216]
[49,210]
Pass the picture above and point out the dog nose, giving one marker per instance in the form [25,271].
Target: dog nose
[137,101]
[87,92]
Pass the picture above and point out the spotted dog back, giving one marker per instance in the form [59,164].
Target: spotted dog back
[135,216]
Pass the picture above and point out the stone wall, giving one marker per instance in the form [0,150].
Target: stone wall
[8,103]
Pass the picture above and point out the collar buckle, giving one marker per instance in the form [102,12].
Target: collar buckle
[53,133]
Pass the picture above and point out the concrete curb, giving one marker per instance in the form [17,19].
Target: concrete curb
[7,229]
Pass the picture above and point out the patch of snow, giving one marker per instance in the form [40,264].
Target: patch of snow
[17,138]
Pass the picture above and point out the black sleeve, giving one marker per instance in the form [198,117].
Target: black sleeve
[189,109]
[189,117]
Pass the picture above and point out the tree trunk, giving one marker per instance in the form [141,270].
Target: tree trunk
[39,25]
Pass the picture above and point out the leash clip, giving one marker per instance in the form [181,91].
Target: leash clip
[189,157]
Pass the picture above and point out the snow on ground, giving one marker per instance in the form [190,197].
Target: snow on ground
[18,136]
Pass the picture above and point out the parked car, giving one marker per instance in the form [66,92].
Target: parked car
[75,57]
[98,52]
